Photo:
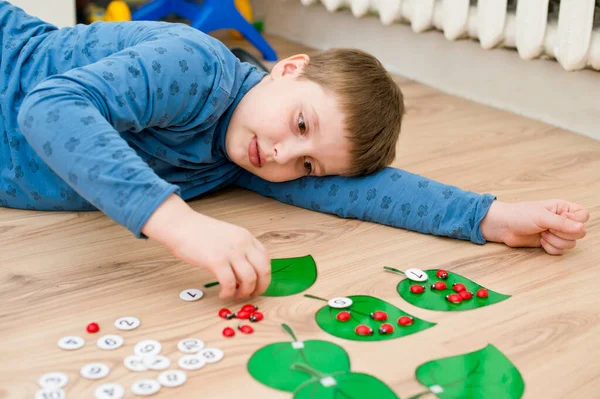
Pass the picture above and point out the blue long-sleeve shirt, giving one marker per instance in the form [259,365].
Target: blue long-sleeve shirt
[118,116]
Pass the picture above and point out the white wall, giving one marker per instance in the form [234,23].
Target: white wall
[58,12]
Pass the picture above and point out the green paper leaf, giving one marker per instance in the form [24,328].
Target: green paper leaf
[272,364]
[485,373]
[436,300]
[347,386]
[362,306]
[290,276]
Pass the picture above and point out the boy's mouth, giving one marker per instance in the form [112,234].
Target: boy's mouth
[257,158]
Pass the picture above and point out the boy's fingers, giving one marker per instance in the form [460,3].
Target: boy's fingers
[558,242]
[569,236]
[549,248]
[581,215]
[262,265]
[549,220]
[246,275]
[226,280]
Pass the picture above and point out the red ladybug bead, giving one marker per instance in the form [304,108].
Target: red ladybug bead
[242,314]
[224,313]
[256,316]
[458,287]
[454,298]
[249,308]
[386,329]
[405,320]
[93,328]
[363,330]
[246,329]
[343,316]
[378,315]
[228,332]
[440,285]
[482,293]
[442,274]
[417,289]
[465,295]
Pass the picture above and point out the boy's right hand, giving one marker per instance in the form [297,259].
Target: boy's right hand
[230,252]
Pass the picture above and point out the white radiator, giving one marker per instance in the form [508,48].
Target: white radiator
[567,30]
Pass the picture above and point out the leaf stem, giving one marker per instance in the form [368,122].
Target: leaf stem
[289,331]
[308,370]
[391,269]
[211,284]
[315,297]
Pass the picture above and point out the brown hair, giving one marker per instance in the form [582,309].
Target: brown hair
[371,101]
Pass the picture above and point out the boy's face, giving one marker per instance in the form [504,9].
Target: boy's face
[286,128]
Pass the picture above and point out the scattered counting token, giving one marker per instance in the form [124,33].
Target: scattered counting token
[458,287]
[442,274]
[249,308]
[172,378]
[148,347]
[71,342]
[482,293]
[93,328]
[190,345]
[145,387]
[158,362]
[109,391]
[191,362]
[417,289]
[226,314]
[361,329]
[454,298]
[211,355]
[191,294]
[340,303]
[416,274]
[94,371]
[55,380]
[439,286]
[50,394]
[246,329]
[256,317]
[127,323]
[378,315]
[135,363]
[405,320]
[228,332]
[343,316]
[386,329]
[110,342]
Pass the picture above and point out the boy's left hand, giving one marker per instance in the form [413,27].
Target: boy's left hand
[555,225]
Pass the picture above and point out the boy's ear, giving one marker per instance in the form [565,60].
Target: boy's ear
[290,66]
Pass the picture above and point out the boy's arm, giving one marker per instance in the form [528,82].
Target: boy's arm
[392,197]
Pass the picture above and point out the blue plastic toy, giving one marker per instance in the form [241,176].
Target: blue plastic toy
[207,16]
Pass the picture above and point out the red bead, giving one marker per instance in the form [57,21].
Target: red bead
[256,316]
[343,316]
[440,285]
[442,274]
[228,332]
[93,328]
[465,295]
[378,315]
[417,289]
[246,329]
[482,293]
[405,320]
[249,308]
[363,330]
[454,298]
[224,313]
[242,314]
[458,287]
[386,329]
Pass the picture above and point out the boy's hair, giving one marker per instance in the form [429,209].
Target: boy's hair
[371,101]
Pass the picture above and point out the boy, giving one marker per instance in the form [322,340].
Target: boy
[134,118]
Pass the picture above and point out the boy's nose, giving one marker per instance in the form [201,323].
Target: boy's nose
[285,152]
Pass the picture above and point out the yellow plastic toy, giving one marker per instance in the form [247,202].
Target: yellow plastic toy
[244,7]
[116,11]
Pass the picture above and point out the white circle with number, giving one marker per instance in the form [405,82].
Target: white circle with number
[340,303]
[211,355]
[191,294]
[110,342]
[109,391]
[54,380]
[158,362]
[50,393]
[191,362]
[145,387]
[135,363]
[148,347]
[127,323]
[94,371]
[190,345]
[172,378]
[71,342]
[416,274]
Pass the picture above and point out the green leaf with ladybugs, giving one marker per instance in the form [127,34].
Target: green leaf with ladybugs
[346,386]
[290,276]
[485,373]
[272,364]
[359,323]
[438,299]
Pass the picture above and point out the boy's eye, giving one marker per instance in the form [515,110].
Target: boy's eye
[308,166]
[301,124]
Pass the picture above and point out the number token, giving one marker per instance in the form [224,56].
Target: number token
[148,347]
[145,387]
[191,362]
[53,380]
[157,362]
[135,363]
[109,391]
[50,394]
[110,342]
[211,355]
[340,303]
[416,274]
[71,342]
[94,371]
[172,378]
[127,323]
[191,294]
[190,345]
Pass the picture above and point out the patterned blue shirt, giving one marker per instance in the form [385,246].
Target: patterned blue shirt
[118,116]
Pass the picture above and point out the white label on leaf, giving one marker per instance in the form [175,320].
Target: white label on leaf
[328,381]
[50,394]
[94,371]
[53,380]
[172,378]
[211,355]
[135,363]
[436,389]
[340,303]
[191,294]
[157,362]
[191,362]
[109,391]
[416,274]
[190,345]
[110,342]
[145,387]
[297,344]
[127,323]
[148,347]
[71,342]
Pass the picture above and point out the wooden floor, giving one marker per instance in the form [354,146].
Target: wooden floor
[60,271]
